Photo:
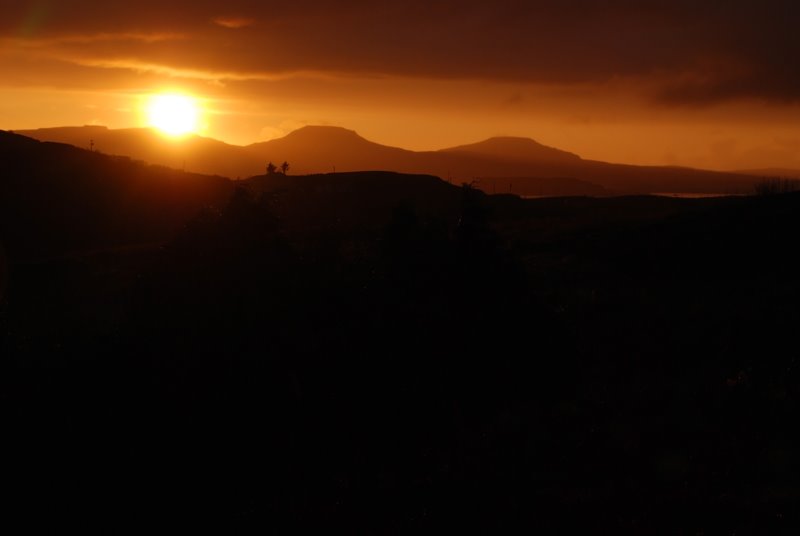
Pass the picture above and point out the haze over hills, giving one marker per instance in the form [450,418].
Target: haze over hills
[517,165]
[192,153]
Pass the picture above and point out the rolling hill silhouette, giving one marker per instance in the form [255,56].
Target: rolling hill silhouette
[192,153]
[56,198]
[517,165]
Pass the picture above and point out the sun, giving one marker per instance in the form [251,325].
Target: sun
[173,114]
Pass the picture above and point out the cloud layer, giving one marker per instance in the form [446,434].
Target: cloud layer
[688,52]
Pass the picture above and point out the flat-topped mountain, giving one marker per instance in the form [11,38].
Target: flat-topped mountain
[321,149]
[328,136]
[524,149]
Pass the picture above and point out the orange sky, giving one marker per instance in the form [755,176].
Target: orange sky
[715,86]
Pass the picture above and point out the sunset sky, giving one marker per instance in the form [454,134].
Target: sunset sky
[711,84]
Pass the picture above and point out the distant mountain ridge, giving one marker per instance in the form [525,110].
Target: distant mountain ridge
[525,166]
[779,173]
[523,149]
[322,149]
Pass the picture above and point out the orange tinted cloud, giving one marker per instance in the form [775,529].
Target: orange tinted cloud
[233,23]
[545,41]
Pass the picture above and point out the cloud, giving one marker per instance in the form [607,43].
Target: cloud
[233,23]
[174,72]
[57,42]
[693,52]
[270,133]
[515,100]
[777,87]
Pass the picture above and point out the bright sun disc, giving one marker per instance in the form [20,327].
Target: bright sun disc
[175,115]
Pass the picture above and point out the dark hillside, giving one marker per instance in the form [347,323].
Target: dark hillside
[348,201]
[385,353]
[191,153]
[56,198]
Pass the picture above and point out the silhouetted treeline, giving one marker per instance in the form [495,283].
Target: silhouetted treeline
[772,186]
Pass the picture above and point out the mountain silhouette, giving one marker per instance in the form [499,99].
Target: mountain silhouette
[512,148]
[316,149]
[779,173]
[497,165]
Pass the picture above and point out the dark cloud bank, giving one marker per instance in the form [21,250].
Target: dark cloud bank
[688,52]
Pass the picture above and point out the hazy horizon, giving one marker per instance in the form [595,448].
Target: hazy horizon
[665,84]
[172,139]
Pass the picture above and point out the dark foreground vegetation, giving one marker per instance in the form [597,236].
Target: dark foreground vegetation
[380,353]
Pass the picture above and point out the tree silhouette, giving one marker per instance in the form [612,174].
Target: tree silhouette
[271,169]
[284,167]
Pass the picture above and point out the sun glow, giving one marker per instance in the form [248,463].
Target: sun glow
[173,114]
